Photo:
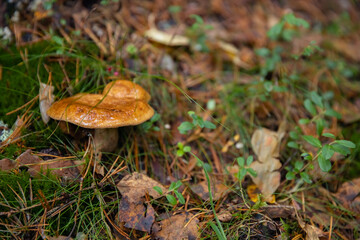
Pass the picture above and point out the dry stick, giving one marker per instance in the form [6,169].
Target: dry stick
[331,223]
[111,38]
[216,159]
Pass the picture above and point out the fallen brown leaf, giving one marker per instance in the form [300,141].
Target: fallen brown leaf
[178,227]
[348,195]
[135,186]
[135,215]
[266,145]
[218,190]
[36,165]
[6,164]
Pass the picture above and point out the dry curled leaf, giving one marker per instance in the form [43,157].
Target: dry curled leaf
[178,227]
[46,98]
[266,145]
[135,186]
[168,39]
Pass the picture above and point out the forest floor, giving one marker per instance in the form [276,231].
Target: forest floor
[255,133]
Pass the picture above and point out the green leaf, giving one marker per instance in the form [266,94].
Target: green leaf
[346,143]
[305,177]
[180,153]
[329,135]
[58,40]
[293,145]
[172,186]
[275,31]
[294,135]
[207,167]
[252,172]
[171,199]
[209,125]
[327,151]
[319,126]
[158,190]
[340,149]
[303,121]
[299,165]
[178,184]
[187,149]
[179,197]
[249,160]
[291,19]
[174,8]
[313,141]
[242,173]
[240,161]
[197,18]
[324,163]
[290,176]
[310,107]
[268,86]
[332,113]
[155,118]
[306,156]
[316,99]
[262,52]
[185,127]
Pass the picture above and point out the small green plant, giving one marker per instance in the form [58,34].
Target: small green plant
[149,125]
[244,168]
[309,50]
[131,49]
[186,127]
[197,32]
[174,186]
[182,149]
[292,173]
[319,108]
[279,31]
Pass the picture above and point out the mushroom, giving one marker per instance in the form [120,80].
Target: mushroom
[123,103]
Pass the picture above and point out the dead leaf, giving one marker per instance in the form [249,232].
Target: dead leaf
[312,232]
[135,215]
[135,186]
[348,195]
[266,145]
[6,164]
[165,38]
[279,211]
[178,227]
[218,190]
[350,49]
[224,216]
[35,165]
[46,98]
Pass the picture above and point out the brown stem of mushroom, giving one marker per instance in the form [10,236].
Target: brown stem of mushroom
[105,139]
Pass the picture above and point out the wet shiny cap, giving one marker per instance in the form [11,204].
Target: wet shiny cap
[110,110]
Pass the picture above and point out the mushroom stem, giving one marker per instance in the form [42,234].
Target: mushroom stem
[105,139]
